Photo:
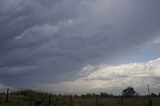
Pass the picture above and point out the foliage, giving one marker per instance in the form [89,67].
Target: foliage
[154,95]
[103,94]
[129,92]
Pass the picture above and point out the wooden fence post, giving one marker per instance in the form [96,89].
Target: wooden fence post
[7,94]
[49,100]
[122,101]
[71,100]
[96,100]
[149,100]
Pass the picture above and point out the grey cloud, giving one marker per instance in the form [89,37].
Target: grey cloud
[112,78]
[59,37]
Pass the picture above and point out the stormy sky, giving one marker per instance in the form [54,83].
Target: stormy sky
[80,45]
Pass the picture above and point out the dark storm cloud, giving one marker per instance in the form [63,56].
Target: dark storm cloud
[50,40]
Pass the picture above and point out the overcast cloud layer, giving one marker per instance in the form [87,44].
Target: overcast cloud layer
[50,41]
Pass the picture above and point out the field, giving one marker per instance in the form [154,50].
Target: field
[33,98]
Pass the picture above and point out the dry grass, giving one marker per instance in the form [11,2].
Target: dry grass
[30,99]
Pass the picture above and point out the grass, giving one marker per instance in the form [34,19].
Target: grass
[29,98]
[9,104]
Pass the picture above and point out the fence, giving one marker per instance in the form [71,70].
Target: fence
[30,98]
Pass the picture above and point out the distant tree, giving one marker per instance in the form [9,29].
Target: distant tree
[76,96]
[153,95]
[129,92]
[103,94]
[88,95]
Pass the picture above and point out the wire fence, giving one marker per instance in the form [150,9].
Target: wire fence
[22,97]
